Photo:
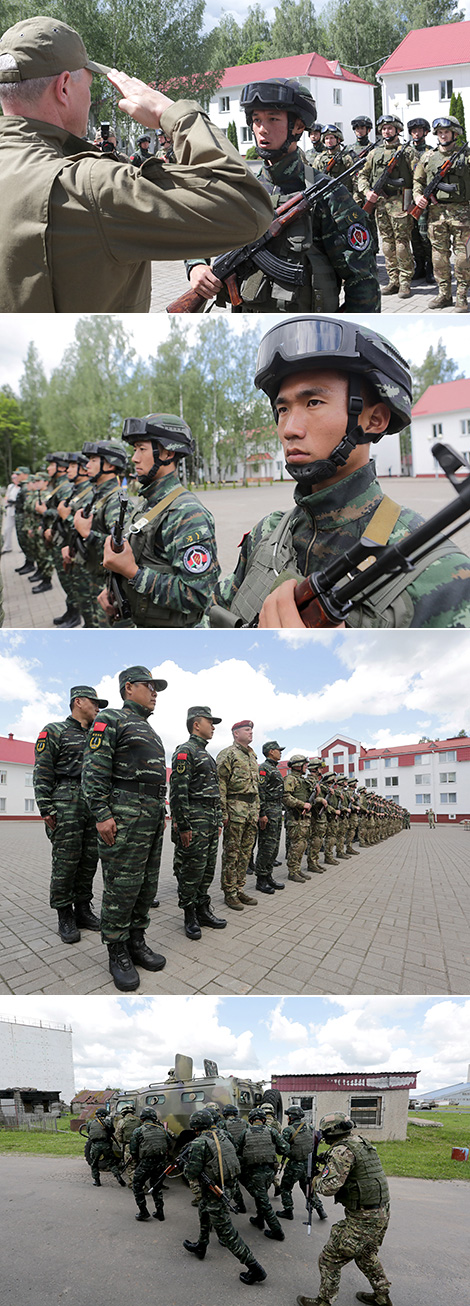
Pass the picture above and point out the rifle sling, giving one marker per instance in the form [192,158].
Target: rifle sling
[219,1158]
[163,503]
[380,527]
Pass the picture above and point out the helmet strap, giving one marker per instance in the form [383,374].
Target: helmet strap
[324,468]
[273,156]
[147,477]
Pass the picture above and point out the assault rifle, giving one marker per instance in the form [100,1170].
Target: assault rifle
[77,544]
[335,159]
[314,1165]
[385,180]
[174,1166]
[234,267]
[116,593]
[436,183]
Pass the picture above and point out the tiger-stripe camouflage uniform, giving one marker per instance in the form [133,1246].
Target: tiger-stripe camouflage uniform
[150,1150]
[239,795]
[80,494]
[124,782]
[258,1155]
[213,1160]
[271,794]
[71,829]
[299,1135]
[104,513]
[354,1175]
[57,488]
[196,815]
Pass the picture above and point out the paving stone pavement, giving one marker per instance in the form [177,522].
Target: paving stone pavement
[394,920]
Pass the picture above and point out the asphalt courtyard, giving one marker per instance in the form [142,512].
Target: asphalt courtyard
[82,1245]
[235,510]
[395,919]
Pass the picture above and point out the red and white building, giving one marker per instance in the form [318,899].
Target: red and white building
[339,95]
[431,63]
[417,776]
[376,1100]
[16,780]
[442,413]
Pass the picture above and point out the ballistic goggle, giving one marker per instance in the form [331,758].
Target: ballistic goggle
[303,341]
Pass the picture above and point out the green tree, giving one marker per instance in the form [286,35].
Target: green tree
[294,30]
[457,111]
[255,53]
[33,389]
[85,393]
[14,434]
[225,43]
[256,28]
[434,370]
[232,134]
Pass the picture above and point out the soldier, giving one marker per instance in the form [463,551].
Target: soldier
[149,1147]
[354,1176]
[143,152]
[106,460]
[299,1136]
[448,214]
[168,566]
[213,1161]
[258,1157]
[196,816]
[361,126]
[363,380]
[297,792]
[431,818]
[81,493]
[9,507]
[420,242]
[315,134]
[318,819]
[353,819]
[271,792]
[23,474]
[236,1129]
[124,782]
[394,224]
[239,795]
[331,242]
[58,765]
[57,464]
[124,1127]
[335,158]
[100,1132]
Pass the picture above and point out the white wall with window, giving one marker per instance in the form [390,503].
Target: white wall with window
[425,92]
[453,427]
[438,777]
[16,781]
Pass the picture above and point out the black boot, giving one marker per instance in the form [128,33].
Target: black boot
[121,1181]
[69,612]
[254,1273]
[277,1235]
[257,1220]
[275,884]
[144,1213]
[198,1248]
[43,587]
[35,575]
[241,1208]
[191,928]
[285,1215]
[263,886]
[85,917]
[73,621]
[277,863]
[122,968]
[142,955]
[321,1212]
[27,566]
[155,903]
[158,1213]
[67,925]
[206,916]
[97,1183]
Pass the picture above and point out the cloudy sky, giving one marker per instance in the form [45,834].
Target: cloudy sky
[300,687]
[412,338]
[129,1042]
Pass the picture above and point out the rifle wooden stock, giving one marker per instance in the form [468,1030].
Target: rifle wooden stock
[311,610]
[190,302]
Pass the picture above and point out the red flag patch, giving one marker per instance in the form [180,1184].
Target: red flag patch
[100,725]
[182,757]
[42,734]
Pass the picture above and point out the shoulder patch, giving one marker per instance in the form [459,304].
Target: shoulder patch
[197,559]
[244,537]
[358,236]
[99,725]
[42,734]
[182,757]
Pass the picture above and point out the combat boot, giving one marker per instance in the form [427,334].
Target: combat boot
[241,1208]
[43,587]
[67,925]
[404,291]
[245,899]
[441,301]
[205,916]
[198,1248]
[141,954]
[277,1235]
[321,1212]
[121,1181]
[299,879]
[73,620]
[263,887]
[122,967]
[36,575]
[316,869]
[312,1301]
[191,927]
[372,1300]
[461,305]
[97,1183]
[254,1273]
[257,1220]
[158,1213]
[391,289]
[27,566]
[233,903]
[303,874]
[144,1213]
[331,861]
[285,1215]
[275,884]
[353,852]
[59,621]
[85,918]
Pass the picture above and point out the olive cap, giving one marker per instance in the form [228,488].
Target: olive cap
[87,691]
[194,712]
[140,675]
[43,47]
[272,743]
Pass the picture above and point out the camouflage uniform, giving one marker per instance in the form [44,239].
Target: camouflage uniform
[57,770]
[357,1237]
[124,775]
[176,553]
[394,225]
[448,220]
[334,162]
[318,819]
[420,242]
[236,1129]
[82,494]
[59,488]
[19,516]
[213,1212]
[335,518]
[101,1148]
[297,790]
[262,1140]
[105,512]
[195,806]
[271,792]
[300,1142]
[123,1131]
[149,1147]
[332,243]
[239,794]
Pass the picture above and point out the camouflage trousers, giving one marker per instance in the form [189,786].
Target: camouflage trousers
[318,828]
[298,830]
[130,1164]
[352,828]
[74,847]
[214,1214]
[449,228]
[21,535]
[149,1169]
[102,1149]
[395,230]
[194,867]
[63,576]
[420,242]
[239,837]
[268,842]
[330,836]
[296,1173]
[257,1179]
[341,833]
[131,867]
[356,1238]
[40,551]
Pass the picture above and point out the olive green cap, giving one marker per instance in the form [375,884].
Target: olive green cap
[87,691]
[194,712]
[140,675]
[272,743]
[42,47]
[24,470]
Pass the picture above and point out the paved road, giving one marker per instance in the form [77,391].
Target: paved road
[394,920]
[65,1241]
[235,511]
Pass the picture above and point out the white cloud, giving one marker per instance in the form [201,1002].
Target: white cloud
[21,681]
[284,1029]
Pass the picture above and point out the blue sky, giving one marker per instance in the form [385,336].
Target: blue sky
[300,687]
[126,1042]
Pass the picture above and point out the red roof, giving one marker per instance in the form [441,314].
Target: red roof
[345,1080]
[296,65]
[431,746]
[449,397]
[430,47]
[16,750]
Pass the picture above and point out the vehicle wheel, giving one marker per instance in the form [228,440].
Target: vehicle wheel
[273,1096]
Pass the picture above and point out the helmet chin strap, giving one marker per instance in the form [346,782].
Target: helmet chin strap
[266,152]
[146,478]
[312,473]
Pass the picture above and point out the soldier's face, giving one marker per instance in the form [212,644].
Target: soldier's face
[143,693]
[93,466]
[361,132]
[244,735]
[389,131]
[331,141]
[275,753]
[270,128]
[72,471]
[444,136]
[205,727]
[417,133]
[143,457]
[89,709]
[312,419]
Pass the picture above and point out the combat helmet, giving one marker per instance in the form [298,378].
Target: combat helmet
[129,1109]
[101,1111]
[297,761]
[387,119]
[361,121]
[165,429]
[295,1113]
[312,342]
[419,122]
[332,130]
[335,1124]
[449,124]
[109,451]
[257,1113]
[229,1110]
[200,1120]
[279,93]
[148,1113]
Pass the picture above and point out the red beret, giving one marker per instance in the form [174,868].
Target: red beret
[239,725]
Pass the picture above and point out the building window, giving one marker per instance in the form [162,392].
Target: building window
[3,777]
[422,798]
[3,804]
[370,766]
[395,780]
[465,426]
[371,784]
[337,96]
[452,798]
[445,90]
[28,780]
[247,135]
[391,761]
[447,777]
[422,779]
[418,759]
[29,804]
[224,103]
[337,758]
[449,757]
[437,429]
[413,92]
[366,1111]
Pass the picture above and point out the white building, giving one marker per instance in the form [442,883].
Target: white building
[417,776]
[339,95]
[455,1094]
[377,1101]
[16,780]
[431,63]
[37,1054]
[442,413]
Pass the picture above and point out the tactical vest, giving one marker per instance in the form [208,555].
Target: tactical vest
[153,1140]
[301,1146]
[143,533]
[380,159]
[258,1147]
[274,555]
[139,751]
[129,1125]
[303,789]
[96,1131]
[230,1162]
[296,244]
[366,1184]
[236,1128]
[458,176]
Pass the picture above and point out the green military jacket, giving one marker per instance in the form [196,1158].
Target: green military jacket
[238,781]
[334,162]
[374,166]
[458,176]
[297,790]
[82,493]
[59,751]
[175,548]
[271,786]
[104,513]
[194,784]
[79,229]
[123,748]
[204,1156]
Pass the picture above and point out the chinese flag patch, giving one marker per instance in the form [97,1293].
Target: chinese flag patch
[42,734]
[100,725]
[182,757]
